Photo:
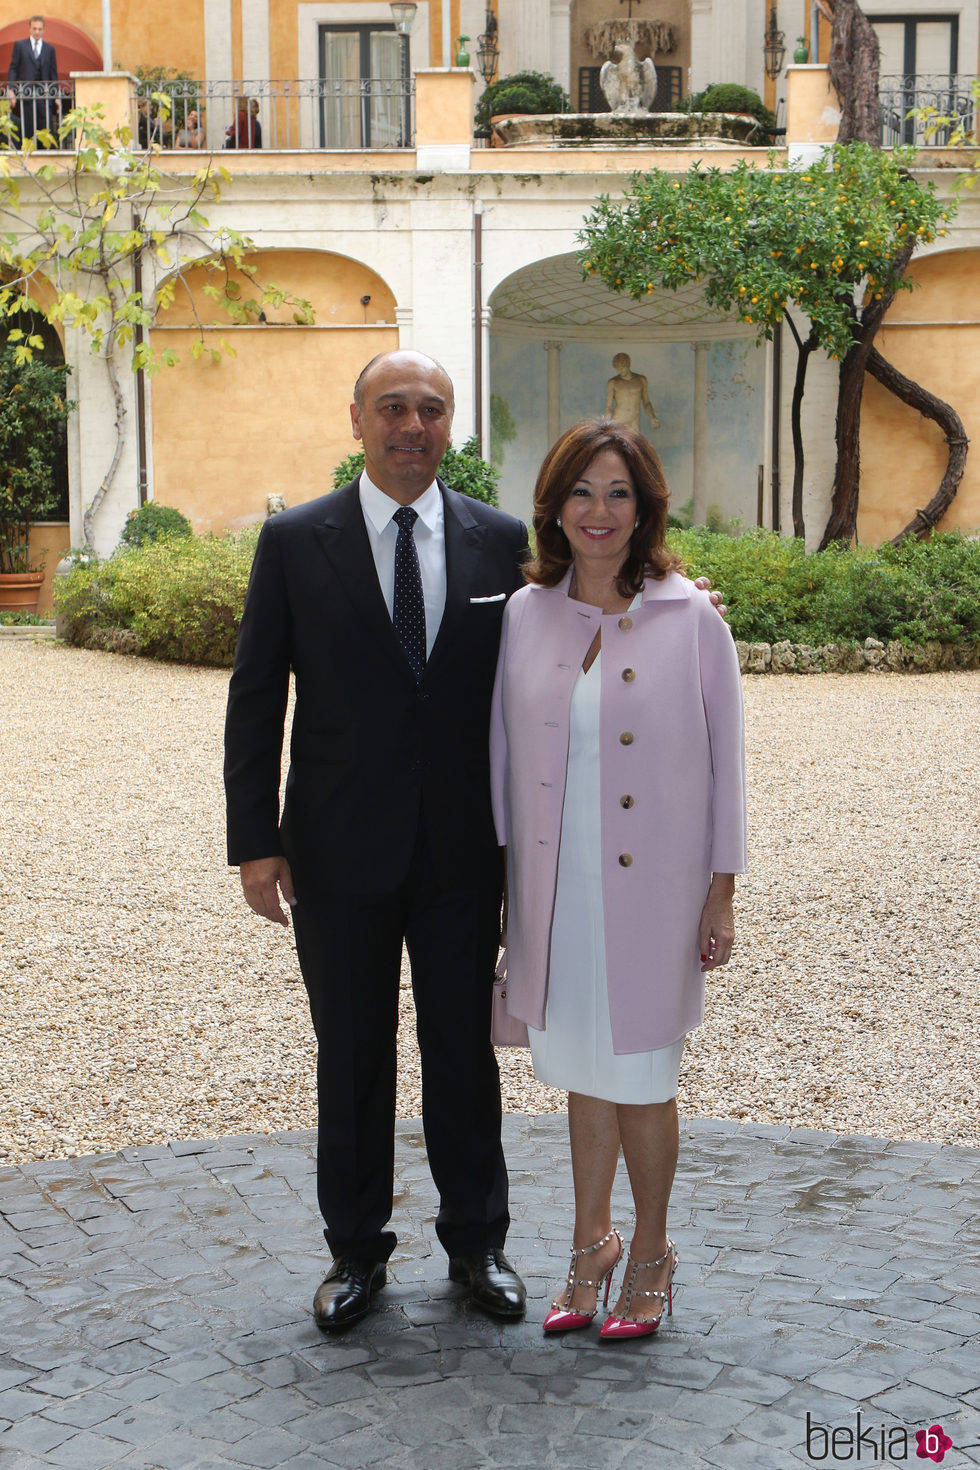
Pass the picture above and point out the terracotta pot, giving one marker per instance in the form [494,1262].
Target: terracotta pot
[19,591]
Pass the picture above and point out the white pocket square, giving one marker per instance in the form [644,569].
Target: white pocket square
[498,597]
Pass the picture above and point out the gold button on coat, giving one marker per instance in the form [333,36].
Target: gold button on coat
[626,801]
[626,624]
[625,860]
[628,676]
[626,738]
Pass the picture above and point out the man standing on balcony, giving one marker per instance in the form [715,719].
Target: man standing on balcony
[31,81]
[385,600]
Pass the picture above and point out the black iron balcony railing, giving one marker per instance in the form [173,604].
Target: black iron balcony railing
[37,107]
[349,114]
[905,100]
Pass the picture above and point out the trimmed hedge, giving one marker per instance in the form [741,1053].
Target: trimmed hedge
[182,598]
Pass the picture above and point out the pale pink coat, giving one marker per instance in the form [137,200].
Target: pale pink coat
[684,770]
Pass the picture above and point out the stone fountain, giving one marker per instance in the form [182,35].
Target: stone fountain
[629,85]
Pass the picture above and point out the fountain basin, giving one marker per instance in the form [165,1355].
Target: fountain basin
[627,130]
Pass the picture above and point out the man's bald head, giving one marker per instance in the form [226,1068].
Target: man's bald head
[400,355]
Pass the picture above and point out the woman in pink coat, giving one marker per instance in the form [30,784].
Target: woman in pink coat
[617,754]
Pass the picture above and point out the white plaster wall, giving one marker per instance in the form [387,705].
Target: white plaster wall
[94,427]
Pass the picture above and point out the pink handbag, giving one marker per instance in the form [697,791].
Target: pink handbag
[505,1029]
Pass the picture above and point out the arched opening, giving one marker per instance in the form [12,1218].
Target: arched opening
[554,338]
[50,538]
[230,431]
[53,353]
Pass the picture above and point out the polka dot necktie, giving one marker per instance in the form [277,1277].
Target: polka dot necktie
[408,613]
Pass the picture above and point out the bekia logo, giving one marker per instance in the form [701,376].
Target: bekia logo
[872,1443]
[932,1442]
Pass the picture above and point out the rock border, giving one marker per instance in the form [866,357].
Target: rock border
[871,656]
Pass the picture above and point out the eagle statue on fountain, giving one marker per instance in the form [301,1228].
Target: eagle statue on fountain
[628,85]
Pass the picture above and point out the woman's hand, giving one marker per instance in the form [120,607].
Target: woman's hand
[716,931]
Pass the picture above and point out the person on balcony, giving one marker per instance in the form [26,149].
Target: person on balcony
[246,130]
[32,82]
[191,135]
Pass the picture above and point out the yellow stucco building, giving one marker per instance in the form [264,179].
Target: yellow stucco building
[371,197]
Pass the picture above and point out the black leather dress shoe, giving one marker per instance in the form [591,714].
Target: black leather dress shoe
[344,1295]
[493,1283]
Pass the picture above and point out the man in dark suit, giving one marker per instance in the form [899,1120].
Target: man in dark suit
[385,599]
[31,81]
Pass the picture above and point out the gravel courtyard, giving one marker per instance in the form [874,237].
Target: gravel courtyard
[142,1001]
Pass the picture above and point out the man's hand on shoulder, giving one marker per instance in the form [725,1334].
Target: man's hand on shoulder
[263,879]
[705,584]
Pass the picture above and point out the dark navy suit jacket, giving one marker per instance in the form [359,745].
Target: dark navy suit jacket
[372,752]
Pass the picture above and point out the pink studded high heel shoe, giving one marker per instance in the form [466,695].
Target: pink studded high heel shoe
[562,1318]
[627,1326]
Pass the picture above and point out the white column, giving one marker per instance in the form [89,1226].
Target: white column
[525,35]
[561,59]
[405,321]
[442,295]
[218,68]
[553,350]
[731,48]
[700,455]
[486,319]
[255,40]
[701,72]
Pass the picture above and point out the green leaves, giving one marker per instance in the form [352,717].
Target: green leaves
[105,207]
[462,469]
[824,238]
[32,406]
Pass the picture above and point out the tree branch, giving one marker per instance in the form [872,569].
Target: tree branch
[941,413]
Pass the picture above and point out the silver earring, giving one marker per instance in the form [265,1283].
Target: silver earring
[636,524]
[558,522]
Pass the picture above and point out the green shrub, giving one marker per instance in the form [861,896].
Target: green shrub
[523,91]
[729,97]
[775,590]
[461,469]
[33,408]
[174,598]
[153,521]
[181,598]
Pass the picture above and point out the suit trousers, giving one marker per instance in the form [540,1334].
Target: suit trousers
[349,946]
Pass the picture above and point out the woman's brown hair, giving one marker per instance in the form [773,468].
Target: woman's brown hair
[564,464]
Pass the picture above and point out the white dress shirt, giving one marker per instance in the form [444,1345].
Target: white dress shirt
[430,544]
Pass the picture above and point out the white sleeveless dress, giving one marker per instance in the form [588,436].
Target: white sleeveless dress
[575,1050]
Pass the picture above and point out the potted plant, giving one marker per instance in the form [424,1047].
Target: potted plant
[32,405]
[524,92]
